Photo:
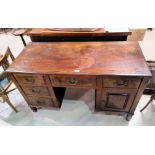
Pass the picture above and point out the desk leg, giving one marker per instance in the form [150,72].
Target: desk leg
[128,116]
[98,94]
[22,38]
[34,109]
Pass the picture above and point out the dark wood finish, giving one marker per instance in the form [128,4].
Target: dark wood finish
[71,81]
[98,93]
[49,35]
[30,79]
[21,90]
[116,70]
[77,39]
[82,58]
[114,99]
[38,91]
[57,97]
[40,102]
[97,32]
[121,82]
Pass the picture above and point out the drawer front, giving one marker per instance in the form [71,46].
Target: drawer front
[73,81]
[41,102]
[117,99]
[121,82]
[30,79]
[40,91]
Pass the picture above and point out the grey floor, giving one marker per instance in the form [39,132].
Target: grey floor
[78,104]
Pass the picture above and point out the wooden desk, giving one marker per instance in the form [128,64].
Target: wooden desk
[116,70]
[46,35]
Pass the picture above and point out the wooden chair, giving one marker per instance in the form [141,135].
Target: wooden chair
[4,78]
[151,85]
[151,99]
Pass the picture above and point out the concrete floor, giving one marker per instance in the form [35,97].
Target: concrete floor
[78,104]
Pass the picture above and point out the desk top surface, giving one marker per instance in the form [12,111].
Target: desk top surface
[82,58]
[70,33]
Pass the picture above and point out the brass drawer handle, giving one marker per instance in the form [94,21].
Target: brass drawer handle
[35,91]
[72,81]
[30,79]
[122,83]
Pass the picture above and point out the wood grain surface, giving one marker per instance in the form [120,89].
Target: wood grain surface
[82,58]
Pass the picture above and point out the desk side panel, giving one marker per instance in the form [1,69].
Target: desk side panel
[19,87]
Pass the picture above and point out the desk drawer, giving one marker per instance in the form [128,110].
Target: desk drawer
[71,81]
[39,91]
[41,102]
[36,80]
[122,82]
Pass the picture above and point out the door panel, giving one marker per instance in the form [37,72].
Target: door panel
[117,99]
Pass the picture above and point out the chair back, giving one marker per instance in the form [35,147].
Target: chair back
[4,62]
[150,88]
[151,65]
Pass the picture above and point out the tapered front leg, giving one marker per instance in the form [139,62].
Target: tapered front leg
[34,109]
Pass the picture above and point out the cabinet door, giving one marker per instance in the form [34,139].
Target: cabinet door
[117,99]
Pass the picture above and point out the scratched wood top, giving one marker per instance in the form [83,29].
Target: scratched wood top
[82,58]
[98,32]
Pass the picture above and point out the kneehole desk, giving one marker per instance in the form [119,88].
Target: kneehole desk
[116,70]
